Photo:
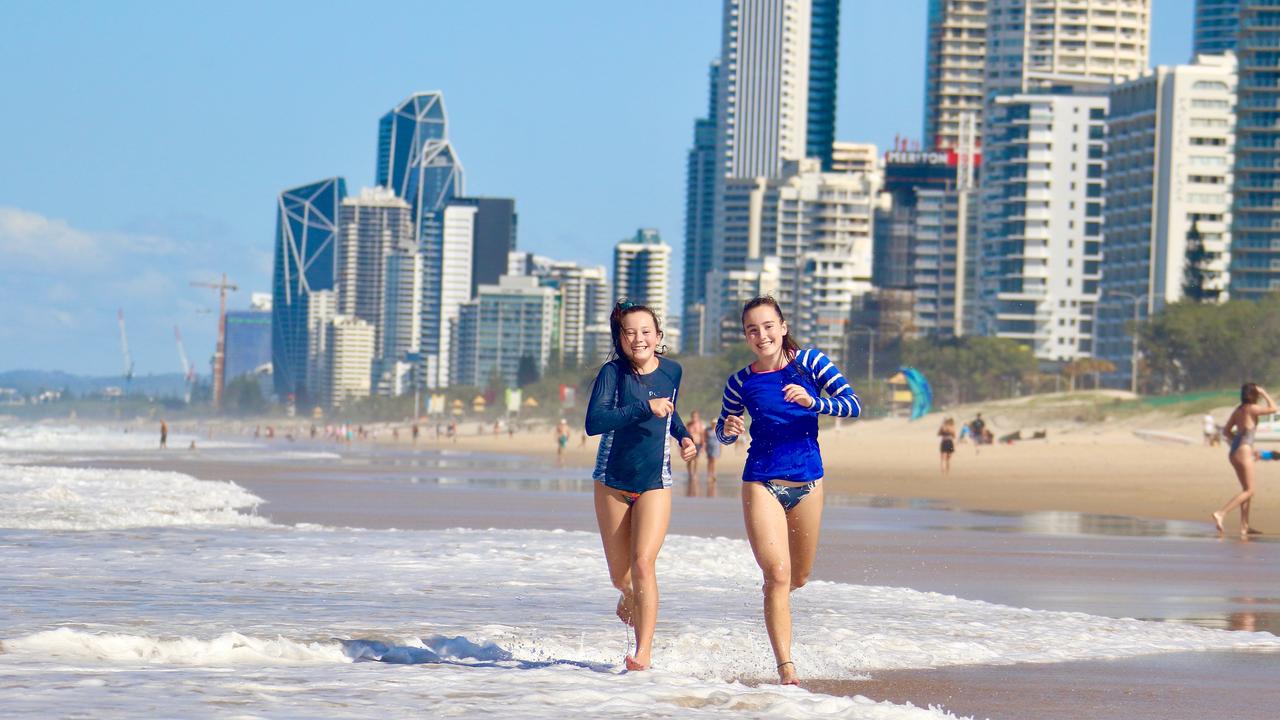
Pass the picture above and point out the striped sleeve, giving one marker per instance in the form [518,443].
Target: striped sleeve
[730,404]
[841,400]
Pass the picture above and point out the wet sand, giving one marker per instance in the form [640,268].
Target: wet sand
[1103,565]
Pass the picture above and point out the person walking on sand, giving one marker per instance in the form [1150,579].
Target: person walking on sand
[1240,428]
[633,408]
[782,493]
[1210,427]
[164,434]
[698,431]
[948,446]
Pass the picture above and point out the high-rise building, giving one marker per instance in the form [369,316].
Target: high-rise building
[1255,235]
[514,319]
[248,343]
[1216,25]
[1168,196]
[447,269]
[1041,221]
[371,225]
[400,334]
[812,222]
[305,262]
[322,308]
[495,237]
[701,172]
[415,158]
[763,106]
[642,271]
[957,49]
[824,55]
[584,301]
[350,358]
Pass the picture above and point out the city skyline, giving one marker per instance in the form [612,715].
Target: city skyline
[154,205]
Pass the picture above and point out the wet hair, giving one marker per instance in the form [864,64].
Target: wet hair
[621,309]
[1248,393]
[789,346]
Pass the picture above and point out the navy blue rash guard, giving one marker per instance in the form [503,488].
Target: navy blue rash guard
[784,435]
[634,454]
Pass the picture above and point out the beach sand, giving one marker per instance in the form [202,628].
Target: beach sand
[998,558]
[1103,468]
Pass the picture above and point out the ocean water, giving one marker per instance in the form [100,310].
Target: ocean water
[139,593]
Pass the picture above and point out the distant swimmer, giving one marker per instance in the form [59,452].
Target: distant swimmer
[782,493]
[1240,429]
[633,406]
[562,440]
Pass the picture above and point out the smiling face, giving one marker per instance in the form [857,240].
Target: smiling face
[639,338]
[764,329]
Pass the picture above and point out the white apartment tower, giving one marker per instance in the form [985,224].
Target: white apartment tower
[1060,45]
[322,307]
[584,300]
[449,290]
[1041,222]
[642,271]
[350,356]
[954,66]
[764,85]
[1168,195]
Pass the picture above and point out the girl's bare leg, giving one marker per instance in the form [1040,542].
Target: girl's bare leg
[768,533]
[650,516]
[1242,461]
[613,515]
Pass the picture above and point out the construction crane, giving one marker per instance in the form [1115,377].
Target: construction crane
[219,354]
[124,348]
[188,370]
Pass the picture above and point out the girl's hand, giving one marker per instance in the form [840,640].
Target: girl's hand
[798,395]
[661,407]
[733,426]
[688,451]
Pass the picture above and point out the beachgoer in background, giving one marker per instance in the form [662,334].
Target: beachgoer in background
[782,494]
[711,445]
[698,431]
[1211,433]
[964,433]
[453,430]
[562,440]
[948,434]
[164,434]
[633,406]
[415,431]
[977,429]
[1240,428]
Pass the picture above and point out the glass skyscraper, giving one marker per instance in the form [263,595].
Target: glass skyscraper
[1217,22]
[305,262]
[824,52]
[415,158]
[1255,242]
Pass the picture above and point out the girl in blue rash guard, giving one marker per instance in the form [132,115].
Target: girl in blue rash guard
[781,489]
[633,406]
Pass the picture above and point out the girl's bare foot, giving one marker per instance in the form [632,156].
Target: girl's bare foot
[1244,531]
[787,673]
[626,607]
[1217,521]
[635,665]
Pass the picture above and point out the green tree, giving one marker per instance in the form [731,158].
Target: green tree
[970,368]
[243,396]
[1195,346]
[526,371]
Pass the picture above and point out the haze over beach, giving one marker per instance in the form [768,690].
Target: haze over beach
[343,349]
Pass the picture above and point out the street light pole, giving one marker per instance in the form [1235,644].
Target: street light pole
[1133,350]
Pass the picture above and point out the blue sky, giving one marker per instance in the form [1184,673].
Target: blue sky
[142,144]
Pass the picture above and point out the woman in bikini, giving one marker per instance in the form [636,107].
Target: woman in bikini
[782,490]
[633,405]
[1240,428]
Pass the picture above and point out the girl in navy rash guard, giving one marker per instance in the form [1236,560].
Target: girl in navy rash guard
[781,489]
[633,406]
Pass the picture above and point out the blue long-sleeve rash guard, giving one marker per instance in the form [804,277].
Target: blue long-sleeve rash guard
[784,435]
[634,454]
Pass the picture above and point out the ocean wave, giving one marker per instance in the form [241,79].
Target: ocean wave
[58,498]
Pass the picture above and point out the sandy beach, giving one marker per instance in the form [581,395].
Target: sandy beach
[1098,467]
